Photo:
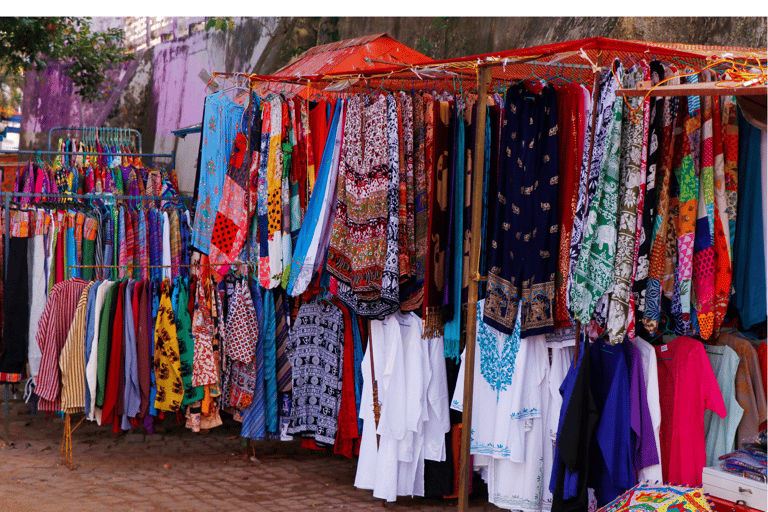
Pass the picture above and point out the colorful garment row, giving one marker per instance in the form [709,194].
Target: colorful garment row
[656,225]
[119,175]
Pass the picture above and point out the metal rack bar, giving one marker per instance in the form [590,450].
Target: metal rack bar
[44,152]
[96,196]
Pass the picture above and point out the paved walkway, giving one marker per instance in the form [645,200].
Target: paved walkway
[176,469]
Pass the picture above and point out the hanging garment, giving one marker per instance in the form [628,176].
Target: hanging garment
[315,354]
[523,259]
[131,392]
[92,367]
[312,241]
[687,386]
[578,419]
[13,353]
[167,364]
[631,175]
[274,185]
[721,432]
[749,249]
[90,323]
[572,119]
[51,336]
[179,302]
[590,171]
[455,271]
[508,434]
[748,386]
[594,271]
[437,148]
[221,122]
[37,289]
[363,245]
[144,343]
[651,382]
[230,225]
[71,362]
[612,468]
[722,237]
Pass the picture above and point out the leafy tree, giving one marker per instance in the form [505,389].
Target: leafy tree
[30,43]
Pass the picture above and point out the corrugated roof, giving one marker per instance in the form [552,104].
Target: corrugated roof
[350,55]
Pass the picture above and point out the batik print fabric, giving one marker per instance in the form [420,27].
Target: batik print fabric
[221,122]
[167,362]
[630,175]
[649,209]
[523,257]
[590,171]
[363,245]
[230,227]
[730,130]
[438,147]
[594,271]
[314,349]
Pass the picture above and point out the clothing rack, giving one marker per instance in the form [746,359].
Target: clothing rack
[171,155]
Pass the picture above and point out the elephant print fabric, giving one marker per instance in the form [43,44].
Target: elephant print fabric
[594,270]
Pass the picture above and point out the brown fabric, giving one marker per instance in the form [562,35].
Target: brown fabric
[749,385]
[438,167]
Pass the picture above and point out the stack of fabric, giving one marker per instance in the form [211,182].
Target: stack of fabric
[749,462]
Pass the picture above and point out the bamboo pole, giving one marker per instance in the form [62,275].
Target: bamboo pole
[483,79]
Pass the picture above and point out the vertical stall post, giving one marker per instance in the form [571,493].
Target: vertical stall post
[483,79]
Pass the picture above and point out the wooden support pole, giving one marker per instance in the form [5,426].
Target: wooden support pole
[483,79]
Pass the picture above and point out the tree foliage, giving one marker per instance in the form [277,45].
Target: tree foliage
[30,43]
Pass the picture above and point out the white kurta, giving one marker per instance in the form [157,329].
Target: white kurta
[510,399]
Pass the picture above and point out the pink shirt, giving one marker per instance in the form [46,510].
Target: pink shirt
[687,386]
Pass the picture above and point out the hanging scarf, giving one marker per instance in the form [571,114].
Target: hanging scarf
[571,120]
[406,248]
[590,171]
[594,270]
[649,209]
[524,244]
[730,130]
[285,196]
[462,179]
[265,278]
[688,179]
[659,236]
[630,176]
[274,190]
[704,251]
[639,233]
[439,187]
[412,297]
[361,243]
[722,241]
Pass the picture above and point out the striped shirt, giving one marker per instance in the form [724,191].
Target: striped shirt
[51,335]
[71,360]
